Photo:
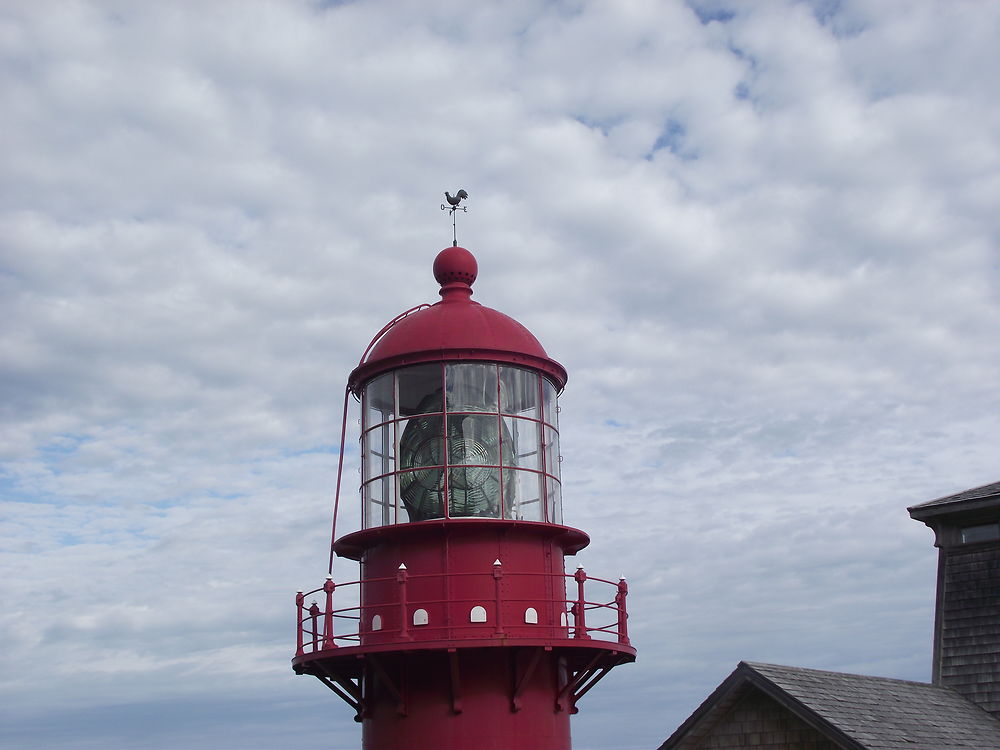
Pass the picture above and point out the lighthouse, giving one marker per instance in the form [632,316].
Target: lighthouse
[466,630]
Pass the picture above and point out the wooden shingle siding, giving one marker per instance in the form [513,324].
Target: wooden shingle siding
[758,722]
[969,639]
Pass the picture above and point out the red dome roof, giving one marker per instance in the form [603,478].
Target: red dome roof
[456,328]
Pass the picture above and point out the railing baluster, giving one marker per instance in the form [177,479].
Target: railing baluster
[328,587]
[622,612]
[299,616]
[314,614]
[580,629]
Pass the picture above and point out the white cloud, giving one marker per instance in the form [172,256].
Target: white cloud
[764,245]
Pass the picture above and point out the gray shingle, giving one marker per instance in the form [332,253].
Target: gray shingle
[976,493]
[885,714]
[855,712]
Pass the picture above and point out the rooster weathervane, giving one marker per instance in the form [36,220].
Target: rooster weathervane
[452,207]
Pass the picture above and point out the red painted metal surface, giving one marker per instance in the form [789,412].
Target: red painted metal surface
[453,651]
[449,568]
[395,600]
[462,632]
[352,546]
[455,329]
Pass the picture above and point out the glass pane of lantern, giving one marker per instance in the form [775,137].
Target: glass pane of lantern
[420,493]
[527,501]
[379,451]
[388,493]
[379,400]
[421,441]
[524,443]
[379,505]
[549,411]
[474,491]
[553,500]
[474,439]
[551,450]
[421,464]
[475,446]
[370,519]
[471,387]
[519,392]
[419,389]
[402,514]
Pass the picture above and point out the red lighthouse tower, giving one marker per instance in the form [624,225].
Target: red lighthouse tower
[464,631]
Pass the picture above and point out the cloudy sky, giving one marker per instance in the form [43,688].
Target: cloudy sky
[761,236]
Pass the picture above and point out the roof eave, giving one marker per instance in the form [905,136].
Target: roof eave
[935,509]
[368,370]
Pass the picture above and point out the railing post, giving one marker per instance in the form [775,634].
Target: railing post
[314,614]
[403,621]
[299,615]
[622,612]
[580,624]
[328,587]
[497,575]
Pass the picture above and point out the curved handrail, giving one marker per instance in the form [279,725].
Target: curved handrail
[386,327]
[316,630]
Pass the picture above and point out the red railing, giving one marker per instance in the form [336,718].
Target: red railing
[343,620]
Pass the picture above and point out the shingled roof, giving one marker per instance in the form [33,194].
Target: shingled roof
[855,711]
[986,492]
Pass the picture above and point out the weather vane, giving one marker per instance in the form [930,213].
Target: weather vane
[452,207]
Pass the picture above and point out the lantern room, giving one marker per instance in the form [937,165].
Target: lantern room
[462,440]
[459,412]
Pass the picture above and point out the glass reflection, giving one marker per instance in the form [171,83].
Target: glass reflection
[528,505]
[519,392]
[379,400]
[380,508]
[421,463]
[553,500]
[419,390]
[524,443]
[549,403]
[471,387]
[460,440]
[551,450]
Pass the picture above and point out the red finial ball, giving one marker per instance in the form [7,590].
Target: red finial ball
[455,264]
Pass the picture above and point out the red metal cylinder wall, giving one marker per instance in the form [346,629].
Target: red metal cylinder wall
[486,720]
[447,574]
